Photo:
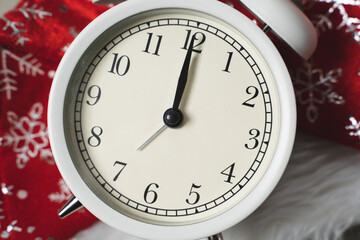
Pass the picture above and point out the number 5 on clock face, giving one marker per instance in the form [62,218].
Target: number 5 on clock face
[171,118]
[224,144]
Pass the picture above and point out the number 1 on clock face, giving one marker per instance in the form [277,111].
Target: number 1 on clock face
[184,174]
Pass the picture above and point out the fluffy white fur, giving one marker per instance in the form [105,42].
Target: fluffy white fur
[318,198]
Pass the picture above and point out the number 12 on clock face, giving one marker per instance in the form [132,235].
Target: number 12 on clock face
[209,162]
[172,120]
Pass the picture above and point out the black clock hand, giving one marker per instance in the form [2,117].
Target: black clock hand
[173,117]
[183,75]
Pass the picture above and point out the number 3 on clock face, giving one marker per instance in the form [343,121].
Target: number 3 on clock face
[186,176]
[231,118]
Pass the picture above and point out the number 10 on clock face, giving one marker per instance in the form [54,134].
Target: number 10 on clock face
[116,101]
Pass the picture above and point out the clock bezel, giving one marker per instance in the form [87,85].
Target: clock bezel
[152,231]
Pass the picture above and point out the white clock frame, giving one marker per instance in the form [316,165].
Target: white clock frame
[193,231]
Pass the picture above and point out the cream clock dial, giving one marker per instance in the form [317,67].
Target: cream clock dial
[118,98]
[172,121]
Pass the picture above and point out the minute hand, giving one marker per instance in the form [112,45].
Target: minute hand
[183,75]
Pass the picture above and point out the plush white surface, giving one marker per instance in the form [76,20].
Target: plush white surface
[317,198]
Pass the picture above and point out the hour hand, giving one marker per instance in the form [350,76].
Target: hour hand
[173,117]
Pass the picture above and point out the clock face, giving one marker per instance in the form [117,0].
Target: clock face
[114,108]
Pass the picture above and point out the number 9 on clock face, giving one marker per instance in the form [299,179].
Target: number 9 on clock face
[117,129]
[117,97]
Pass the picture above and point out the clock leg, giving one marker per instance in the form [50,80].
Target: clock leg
[218,236]
[71,206]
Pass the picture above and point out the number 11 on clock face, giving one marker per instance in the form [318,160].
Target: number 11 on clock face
[226,137]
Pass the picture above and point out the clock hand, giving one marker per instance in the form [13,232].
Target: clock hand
[183,75]
[151,138]
[173,117]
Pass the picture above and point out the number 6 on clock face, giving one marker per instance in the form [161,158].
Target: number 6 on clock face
[207,168]
[127,86]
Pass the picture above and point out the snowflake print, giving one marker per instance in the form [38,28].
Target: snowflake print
[33,12]
[28,137]
[26,64]
[314,88]
[15,31]
[63,195]
[29,13]
[73,33]
[6,190]
[2,216]
[354,128]
[10,228]
[344,2]
[322,22]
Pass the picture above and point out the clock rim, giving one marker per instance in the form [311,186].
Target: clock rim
[152,231]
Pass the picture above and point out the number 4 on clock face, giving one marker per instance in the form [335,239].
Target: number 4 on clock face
[212,65]
[113,88]
[228,172]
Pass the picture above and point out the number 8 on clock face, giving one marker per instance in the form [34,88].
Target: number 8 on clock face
[172,171]
[230,107]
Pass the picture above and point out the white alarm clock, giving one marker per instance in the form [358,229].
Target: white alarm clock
[175,119]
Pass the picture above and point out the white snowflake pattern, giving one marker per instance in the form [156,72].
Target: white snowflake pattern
[9,229]
[61,196]
[28,136]
[16,28]
[6,190]
[344,2]
[314,88]
[26,64]
[2,216]
[33,12]
[354,128]
[73,32]
[15,31]
[322,22]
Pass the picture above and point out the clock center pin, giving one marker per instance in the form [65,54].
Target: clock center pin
[173,118]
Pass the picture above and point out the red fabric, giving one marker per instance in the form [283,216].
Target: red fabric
[35,35]
[33,38]
[328,85]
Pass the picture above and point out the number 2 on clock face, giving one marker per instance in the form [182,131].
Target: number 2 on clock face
[203,167]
